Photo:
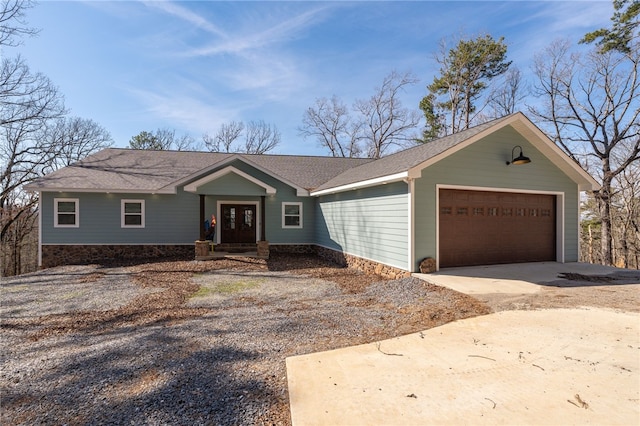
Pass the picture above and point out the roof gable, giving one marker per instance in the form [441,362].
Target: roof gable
[193,186]
[410,162]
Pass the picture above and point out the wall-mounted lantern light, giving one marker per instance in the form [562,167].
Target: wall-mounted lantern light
[520,159]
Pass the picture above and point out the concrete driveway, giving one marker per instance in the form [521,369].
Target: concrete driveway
[560,366]
[519,278]
[554,366]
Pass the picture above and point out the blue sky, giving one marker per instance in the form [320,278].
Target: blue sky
[191,66]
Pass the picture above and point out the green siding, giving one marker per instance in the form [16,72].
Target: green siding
[371,223]
[482,165]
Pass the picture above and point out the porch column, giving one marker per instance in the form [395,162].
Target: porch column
[202,234]
[262,216]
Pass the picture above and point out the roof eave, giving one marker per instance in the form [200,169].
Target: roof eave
[382,180]
[101,190]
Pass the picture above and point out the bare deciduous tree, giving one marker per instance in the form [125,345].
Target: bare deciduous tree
[385,122]
[13,26]
[34,139]
[74,137]
[330,123]
[163,139]
[591,109]
[374,126]
[223,140]
[259,138]
[506,98]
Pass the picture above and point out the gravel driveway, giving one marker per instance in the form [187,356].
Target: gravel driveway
[190,342]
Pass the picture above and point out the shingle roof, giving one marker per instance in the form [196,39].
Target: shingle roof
[118,169]
[127,170]
[404,160]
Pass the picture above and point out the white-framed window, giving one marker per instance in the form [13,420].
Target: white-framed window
[132,213]
[66,212]
[292,215]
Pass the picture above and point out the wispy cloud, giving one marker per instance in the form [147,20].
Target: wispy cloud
[187,15]
[182,110]
[260,39]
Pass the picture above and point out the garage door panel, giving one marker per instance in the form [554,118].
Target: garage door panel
[482,227]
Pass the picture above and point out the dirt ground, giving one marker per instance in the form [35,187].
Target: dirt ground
[620,291]
[171,336]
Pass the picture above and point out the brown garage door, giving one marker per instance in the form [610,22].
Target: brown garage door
[483,228]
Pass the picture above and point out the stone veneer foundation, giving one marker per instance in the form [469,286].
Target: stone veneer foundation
[56,255]
[364,265]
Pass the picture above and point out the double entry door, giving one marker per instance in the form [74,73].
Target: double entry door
[238,223]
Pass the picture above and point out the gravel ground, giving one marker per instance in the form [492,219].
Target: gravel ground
[190,342]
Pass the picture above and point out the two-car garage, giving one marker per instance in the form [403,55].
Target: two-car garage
[486,227]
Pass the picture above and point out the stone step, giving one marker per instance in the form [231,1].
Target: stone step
[235,247]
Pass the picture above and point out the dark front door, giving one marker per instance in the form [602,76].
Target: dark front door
[238,223]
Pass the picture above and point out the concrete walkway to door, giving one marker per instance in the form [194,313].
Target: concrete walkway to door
[517,278]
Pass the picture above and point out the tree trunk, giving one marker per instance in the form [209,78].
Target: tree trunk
[590,245]
[603,198]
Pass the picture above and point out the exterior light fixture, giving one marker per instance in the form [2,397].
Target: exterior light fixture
[520,159]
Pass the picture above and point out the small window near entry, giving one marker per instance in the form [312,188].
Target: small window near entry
[292,215]
[132,214]
[66,213]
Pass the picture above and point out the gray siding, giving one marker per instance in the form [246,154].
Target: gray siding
[482,165]
[371,223]
[169,219]
[174,218]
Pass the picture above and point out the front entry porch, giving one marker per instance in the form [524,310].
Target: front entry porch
[207,250]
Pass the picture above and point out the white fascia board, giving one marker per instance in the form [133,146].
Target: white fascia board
[363,184]
[105,190]
[193,186]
